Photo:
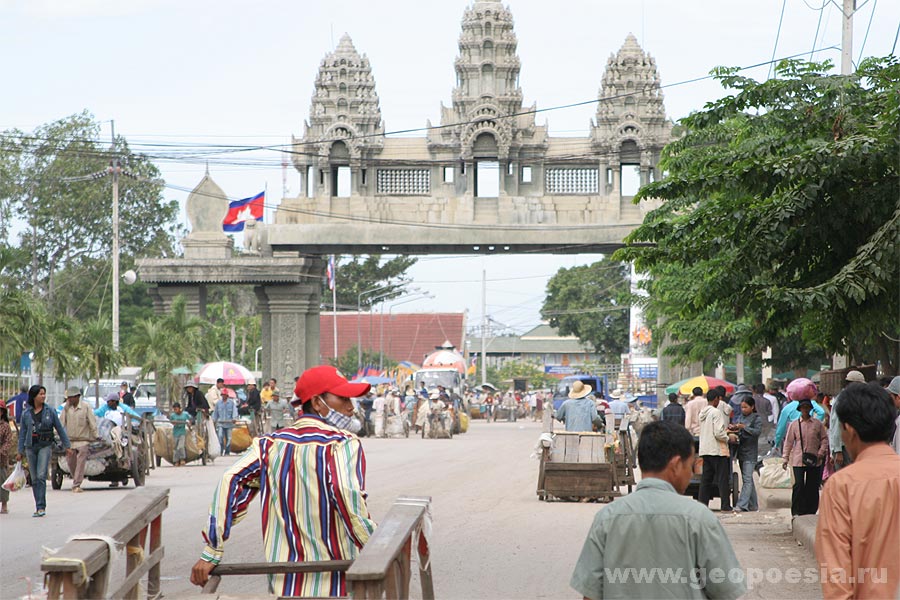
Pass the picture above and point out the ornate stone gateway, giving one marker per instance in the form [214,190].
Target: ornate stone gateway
[488,179]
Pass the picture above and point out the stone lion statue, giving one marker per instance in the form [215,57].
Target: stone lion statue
[252,236]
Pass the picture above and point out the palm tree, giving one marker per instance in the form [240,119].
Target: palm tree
[163,344]
[96,340]
[59,344]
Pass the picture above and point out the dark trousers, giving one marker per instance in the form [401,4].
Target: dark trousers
[716,472]
[805,494]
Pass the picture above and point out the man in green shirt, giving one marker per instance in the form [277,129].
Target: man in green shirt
[654,542]
[179,419]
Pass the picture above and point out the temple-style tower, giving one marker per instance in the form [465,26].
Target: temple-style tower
[343,116]
[631,126]
[487,87]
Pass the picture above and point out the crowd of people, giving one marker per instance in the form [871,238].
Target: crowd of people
[312,451]
[858,531]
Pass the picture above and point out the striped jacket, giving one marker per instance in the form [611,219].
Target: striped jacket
[311,481]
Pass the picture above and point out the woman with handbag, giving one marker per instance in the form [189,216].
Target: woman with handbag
[36,442]
[6,446]
[805,449]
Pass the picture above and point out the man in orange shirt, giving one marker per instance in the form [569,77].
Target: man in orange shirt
[858,534]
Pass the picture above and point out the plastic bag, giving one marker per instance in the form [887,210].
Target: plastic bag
[16,479]
[773,476]
[214,450]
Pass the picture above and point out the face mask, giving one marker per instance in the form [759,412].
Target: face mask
[351,424]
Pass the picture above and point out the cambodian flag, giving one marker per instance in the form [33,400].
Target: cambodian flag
[330,273]
[244,210]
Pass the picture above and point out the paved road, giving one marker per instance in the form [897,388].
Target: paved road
[492,538]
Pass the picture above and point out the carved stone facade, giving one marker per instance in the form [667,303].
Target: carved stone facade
[488,162]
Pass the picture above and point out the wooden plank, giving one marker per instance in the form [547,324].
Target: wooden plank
[133,569]
[268,568]
[585,449]
[134,577]
[590,467]
[122,522]
[571,448]
[155,543]
[558,451]
[386,543]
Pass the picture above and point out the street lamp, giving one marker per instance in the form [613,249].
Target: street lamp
[359,312]
[417,294]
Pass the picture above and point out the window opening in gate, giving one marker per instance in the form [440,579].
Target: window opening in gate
[340,183]
[487,179]
[631,179]
[526,174]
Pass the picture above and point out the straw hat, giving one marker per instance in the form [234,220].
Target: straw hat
[579,390]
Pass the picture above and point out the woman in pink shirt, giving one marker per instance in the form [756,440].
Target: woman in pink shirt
[805,449]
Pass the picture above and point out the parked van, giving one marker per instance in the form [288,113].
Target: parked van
[597,382]
[107,386]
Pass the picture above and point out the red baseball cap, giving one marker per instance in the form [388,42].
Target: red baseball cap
[325,378]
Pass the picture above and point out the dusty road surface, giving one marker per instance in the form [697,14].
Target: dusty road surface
[492,538]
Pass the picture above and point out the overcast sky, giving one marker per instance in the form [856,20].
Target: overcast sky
[226,72]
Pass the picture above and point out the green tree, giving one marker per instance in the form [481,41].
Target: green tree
[357,274]
[68,214]
[516,369]
[233,331]
[779,218]
[592,303]
[162,344]
[96,342]
[62,251]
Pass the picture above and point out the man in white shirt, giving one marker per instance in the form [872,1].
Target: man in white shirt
[692,411]
[214,394]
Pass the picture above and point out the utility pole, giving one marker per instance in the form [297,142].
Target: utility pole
[115,242]
[840,361]
[847,37]
[484,325]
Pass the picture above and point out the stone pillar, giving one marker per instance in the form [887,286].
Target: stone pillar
[767,369]
[669,373]
[290,328]
[164,295]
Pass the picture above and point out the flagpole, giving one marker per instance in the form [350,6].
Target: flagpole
[334,303]
[266,201]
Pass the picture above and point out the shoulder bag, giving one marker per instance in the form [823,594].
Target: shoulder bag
[809,459]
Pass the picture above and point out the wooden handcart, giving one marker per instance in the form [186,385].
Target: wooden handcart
[583,465]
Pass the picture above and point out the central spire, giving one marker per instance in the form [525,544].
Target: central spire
[487,65]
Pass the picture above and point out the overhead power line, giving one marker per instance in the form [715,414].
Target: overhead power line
[184,152]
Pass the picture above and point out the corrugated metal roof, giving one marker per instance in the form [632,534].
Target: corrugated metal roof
[407,336]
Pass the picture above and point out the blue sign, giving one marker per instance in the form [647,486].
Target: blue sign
[648,372]
[559,370]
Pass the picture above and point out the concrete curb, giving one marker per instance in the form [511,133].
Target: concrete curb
[804,530]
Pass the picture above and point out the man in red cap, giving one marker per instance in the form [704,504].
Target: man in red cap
[311,481]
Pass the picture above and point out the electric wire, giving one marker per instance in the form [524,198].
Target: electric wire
[198,152]
[818,26]
[777,36]
[862,47]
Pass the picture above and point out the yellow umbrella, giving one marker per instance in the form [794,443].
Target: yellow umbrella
[703,382]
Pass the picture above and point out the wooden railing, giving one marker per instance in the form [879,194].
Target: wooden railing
[382,569]
[80,568]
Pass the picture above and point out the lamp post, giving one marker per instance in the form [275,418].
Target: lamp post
[417,295]
[399,284]
[359,312]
